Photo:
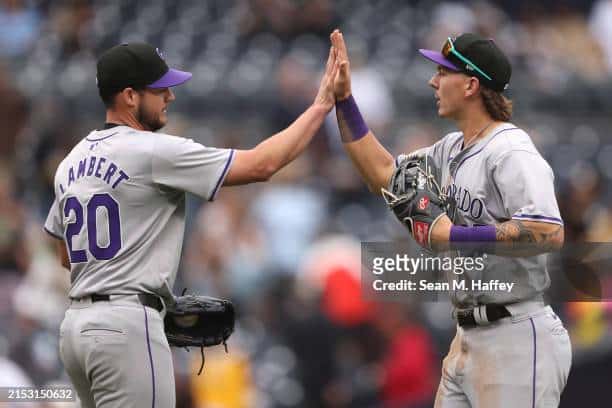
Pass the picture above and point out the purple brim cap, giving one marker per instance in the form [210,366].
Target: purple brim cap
[173,77]
[438,58]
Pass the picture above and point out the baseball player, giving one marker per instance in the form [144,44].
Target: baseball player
[119,217]
[510,349]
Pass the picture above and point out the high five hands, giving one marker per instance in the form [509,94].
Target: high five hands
[325,95]
[342,79]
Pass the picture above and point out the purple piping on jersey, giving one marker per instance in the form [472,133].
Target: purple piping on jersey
[222,176]
[102,138]
[539,217]
[52,234]
[481,149]
[533,404]
[150,354]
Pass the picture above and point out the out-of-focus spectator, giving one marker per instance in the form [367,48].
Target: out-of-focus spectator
[290,215]
[70,19]
[600,229]
[561,46]
[225,382]
[410,367]
[599,24]
[13,246]
[287,18]
[224,255]
[578,202]
[19,26]
[13,113]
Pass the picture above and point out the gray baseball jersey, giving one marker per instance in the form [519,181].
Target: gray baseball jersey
[499,178]
[120,207]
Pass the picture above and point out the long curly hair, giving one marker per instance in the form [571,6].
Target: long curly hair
[496,104]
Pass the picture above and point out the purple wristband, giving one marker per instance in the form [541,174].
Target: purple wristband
[481,233]
[348,110]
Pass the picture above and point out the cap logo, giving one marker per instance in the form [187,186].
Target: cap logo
[159,53]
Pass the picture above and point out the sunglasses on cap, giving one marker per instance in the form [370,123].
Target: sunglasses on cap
[449,48]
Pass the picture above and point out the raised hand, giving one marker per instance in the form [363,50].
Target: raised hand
[342,80]
[325,96]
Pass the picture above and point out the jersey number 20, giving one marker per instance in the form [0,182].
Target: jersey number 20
[114,227]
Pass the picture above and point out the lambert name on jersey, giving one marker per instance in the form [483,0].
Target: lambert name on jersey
[93,166]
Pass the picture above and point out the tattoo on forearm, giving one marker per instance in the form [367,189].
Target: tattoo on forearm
[516,231]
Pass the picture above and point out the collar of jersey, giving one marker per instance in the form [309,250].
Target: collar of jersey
[490,134]
[476,148]
[103,133]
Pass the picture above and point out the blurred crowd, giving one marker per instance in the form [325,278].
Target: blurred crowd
[288,251]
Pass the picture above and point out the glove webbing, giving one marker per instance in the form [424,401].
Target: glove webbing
[202,347]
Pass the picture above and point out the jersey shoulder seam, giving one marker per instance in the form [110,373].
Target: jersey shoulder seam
[506,153]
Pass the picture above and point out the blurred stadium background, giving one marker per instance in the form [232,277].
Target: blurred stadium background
[287,252]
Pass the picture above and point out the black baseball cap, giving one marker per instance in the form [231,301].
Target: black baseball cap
[476,56]
[136,65]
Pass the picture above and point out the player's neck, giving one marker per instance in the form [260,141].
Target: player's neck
[475,127]
[123,118]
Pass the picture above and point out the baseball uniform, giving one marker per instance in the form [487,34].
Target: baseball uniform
[120,208]
[522,360]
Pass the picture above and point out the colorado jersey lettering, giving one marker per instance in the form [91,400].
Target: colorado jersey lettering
[499,178]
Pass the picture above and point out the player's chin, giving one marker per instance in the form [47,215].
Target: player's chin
[439,108]
[443,112]
[156,125]
[162,120]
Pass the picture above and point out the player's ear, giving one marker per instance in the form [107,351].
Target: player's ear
[472,86]
[130,97]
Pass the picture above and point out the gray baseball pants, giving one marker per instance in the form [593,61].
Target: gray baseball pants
[521,361]
[117,355]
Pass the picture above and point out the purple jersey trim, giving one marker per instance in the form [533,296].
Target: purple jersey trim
[101,138]
[533,383]
[54,235]
[150,354]
[542,218]
[222,176]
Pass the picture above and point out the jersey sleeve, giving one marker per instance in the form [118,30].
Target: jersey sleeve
[53,224]
[525,183]
[186,165]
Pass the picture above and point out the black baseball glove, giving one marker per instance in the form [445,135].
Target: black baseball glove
[199,321]
[415,196]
